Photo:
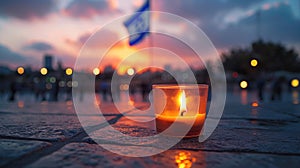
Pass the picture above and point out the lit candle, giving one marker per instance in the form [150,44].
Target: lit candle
[183,106]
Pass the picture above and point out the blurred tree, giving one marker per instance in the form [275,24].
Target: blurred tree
[237,60]
[271,57]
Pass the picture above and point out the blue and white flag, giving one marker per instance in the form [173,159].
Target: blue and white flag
[138,25]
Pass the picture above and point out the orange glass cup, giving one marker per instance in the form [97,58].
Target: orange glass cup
[183,104]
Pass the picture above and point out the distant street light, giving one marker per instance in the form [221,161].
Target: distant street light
[20,70]
[254,104]
[44,71]
[254,63]
[69,71]
[235,75]
[295,83]
[130,71]
[96,71]
[244,84]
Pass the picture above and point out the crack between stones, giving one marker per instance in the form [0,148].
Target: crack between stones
[55,146]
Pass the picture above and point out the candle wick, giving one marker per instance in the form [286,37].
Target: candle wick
[182,112]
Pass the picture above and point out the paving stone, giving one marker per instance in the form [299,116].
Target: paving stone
[56,121]
[248,139]
[64,108]
[247,136]
[262,136]
[135,121]
[95,121]
[239,111]
[92,155]
[86,155]
[14,149]
[115,136]
[141,110]
[288,108]
[47,127]
[38,108]
[107,108]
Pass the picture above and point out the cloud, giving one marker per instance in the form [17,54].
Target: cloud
[97,41]
[7,56]
[280,24]
[167,42]
[39,46]
[210,17]
[27,9]
[273,26]
[234,23]
[171,44]
[200,9]
[88,8]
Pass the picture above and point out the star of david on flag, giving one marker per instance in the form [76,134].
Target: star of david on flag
[138,25]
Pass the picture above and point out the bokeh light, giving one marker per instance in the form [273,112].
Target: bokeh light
[295,83]
[254,104]
[69,71]
[74,84]
[184,159]
[20,70]
[244,84]
[52,79]
[130,71]
[254,62]
[62,84]
[44,71]
[48,86]
[124,87]
[96,71]
[69,83]
[235,75]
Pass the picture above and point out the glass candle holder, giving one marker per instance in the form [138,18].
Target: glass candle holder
[184,105]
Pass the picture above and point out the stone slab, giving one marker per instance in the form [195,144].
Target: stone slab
[45,127]
[14,149]
[92,155]
[238,135]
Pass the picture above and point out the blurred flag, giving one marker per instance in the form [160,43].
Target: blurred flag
[138,25]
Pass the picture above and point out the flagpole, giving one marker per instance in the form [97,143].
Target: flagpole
[151,39]
[150,43]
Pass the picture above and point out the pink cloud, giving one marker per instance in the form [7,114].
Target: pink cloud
[95,43]
[39,46]
[88,9]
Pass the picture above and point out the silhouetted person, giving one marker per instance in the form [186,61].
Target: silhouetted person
[261,86]
[105,89]
[132,91]
[13,90]
[277,89]
[69,93]
[55,90]
[145,91]
[81,94]
[109,93]
[115,91]
[41,90]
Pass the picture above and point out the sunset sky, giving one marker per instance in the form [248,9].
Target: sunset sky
[31,28]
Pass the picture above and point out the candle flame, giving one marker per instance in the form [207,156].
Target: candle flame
[182,103]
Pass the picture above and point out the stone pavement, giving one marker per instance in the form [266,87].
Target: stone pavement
[49,134]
